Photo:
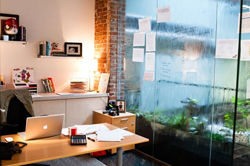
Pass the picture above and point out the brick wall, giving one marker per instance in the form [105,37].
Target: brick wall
[109,48]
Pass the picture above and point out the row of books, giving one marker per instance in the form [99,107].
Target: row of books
[45,48]
[48,85]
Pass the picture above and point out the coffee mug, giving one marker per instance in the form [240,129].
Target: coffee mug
[6,37]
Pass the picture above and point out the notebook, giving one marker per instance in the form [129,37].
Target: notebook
[43,126]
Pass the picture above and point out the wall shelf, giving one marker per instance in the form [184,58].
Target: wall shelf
[21,42]
[45,56]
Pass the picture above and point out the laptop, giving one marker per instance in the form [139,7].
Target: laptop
[42,127]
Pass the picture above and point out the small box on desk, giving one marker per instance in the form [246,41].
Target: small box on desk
[32,87]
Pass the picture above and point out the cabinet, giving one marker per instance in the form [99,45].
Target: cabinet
[78,109]
[125,121]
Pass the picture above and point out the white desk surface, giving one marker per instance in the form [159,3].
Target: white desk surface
[63,96]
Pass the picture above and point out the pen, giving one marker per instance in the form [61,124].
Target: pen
[91,139]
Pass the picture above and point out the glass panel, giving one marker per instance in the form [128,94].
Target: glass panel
[241,155]
[187,112]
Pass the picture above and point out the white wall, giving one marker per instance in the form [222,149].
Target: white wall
[52,20]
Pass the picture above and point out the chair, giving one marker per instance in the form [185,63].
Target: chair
[17,112]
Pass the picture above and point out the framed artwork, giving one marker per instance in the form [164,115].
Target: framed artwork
[23,75]
[3,18]
[73,49]
[103,84]
[121,106]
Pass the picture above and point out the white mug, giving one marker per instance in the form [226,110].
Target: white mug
[6,37]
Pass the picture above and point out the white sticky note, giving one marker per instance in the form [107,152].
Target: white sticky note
[148,76]
[164,14]
[150,62]
[150,41]
[139,39]
[144,25]
[138,55]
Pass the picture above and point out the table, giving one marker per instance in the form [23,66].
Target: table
[59,147]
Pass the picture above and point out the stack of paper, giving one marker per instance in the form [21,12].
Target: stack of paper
[86,129]
[123,132]
[113,135]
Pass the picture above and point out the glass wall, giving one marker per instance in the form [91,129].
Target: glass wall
[194,110]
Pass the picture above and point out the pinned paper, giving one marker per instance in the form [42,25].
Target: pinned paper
[144,24]
[150,62]
[150,41]
[148,76]
[139,39]
[245,50]
[163,14]
[227,48]
[138,55]
[245,24]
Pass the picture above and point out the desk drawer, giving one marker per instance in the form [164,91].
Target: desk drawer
[127,126]
[123,120]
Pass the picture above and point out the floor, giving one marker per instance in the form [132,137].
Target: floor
[130,158]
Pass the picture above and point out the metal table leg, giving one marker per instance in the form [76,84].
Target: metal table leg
[119,156]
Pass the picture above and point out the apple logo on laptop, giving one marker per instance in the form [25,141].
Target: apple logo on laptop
[45,127]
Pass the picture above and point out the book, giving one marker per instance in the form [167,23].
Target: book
[52,84]
[42,48]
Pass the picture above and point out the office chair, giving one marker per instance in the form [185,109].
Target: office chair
[16,112]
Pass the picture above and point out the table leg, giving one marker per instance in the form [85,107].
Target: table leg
[119,156]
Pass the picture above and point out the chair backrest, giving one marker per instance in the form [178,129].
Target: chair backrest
[16,114]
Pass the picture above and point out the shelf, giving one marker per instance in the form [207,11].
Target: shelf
[45,56]
[20,42]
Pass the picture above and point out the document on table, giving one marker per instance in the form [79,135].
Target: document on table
[123,132]
[87,129]
[112,135]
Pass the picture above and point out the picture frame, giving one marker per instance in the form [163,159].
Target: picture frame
[103,84]
[121,106]
[73,49]
[3,18]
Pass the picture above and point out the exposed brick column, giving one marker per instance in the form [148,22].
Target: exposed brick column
[109,39]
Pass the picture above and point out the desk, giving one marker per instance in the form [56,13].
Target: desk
[59,147]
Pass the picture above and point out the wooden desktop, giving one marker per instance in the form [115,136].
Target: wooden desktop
[59,147]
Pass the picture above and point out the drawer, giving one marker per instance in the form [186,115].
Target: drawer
[123,120]
[127,126]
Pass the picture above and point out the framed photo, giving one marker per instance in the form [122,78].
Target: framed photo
[121,106]
[103,84]
[3,18]
[73,49]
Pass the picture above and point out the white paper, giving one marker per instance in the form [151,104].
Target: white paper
[148,76]
[248,89]
[138,55]
[124,132]
[227,48]
[245,26]
[150,41]
[164,14]
[109,136]
[139,39]
[144,25]
[245,50]
[65,131]
[35,95]
[87,129]
[150,61]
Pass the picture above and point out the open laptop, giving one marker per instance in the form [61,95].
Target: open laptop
[43,126]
